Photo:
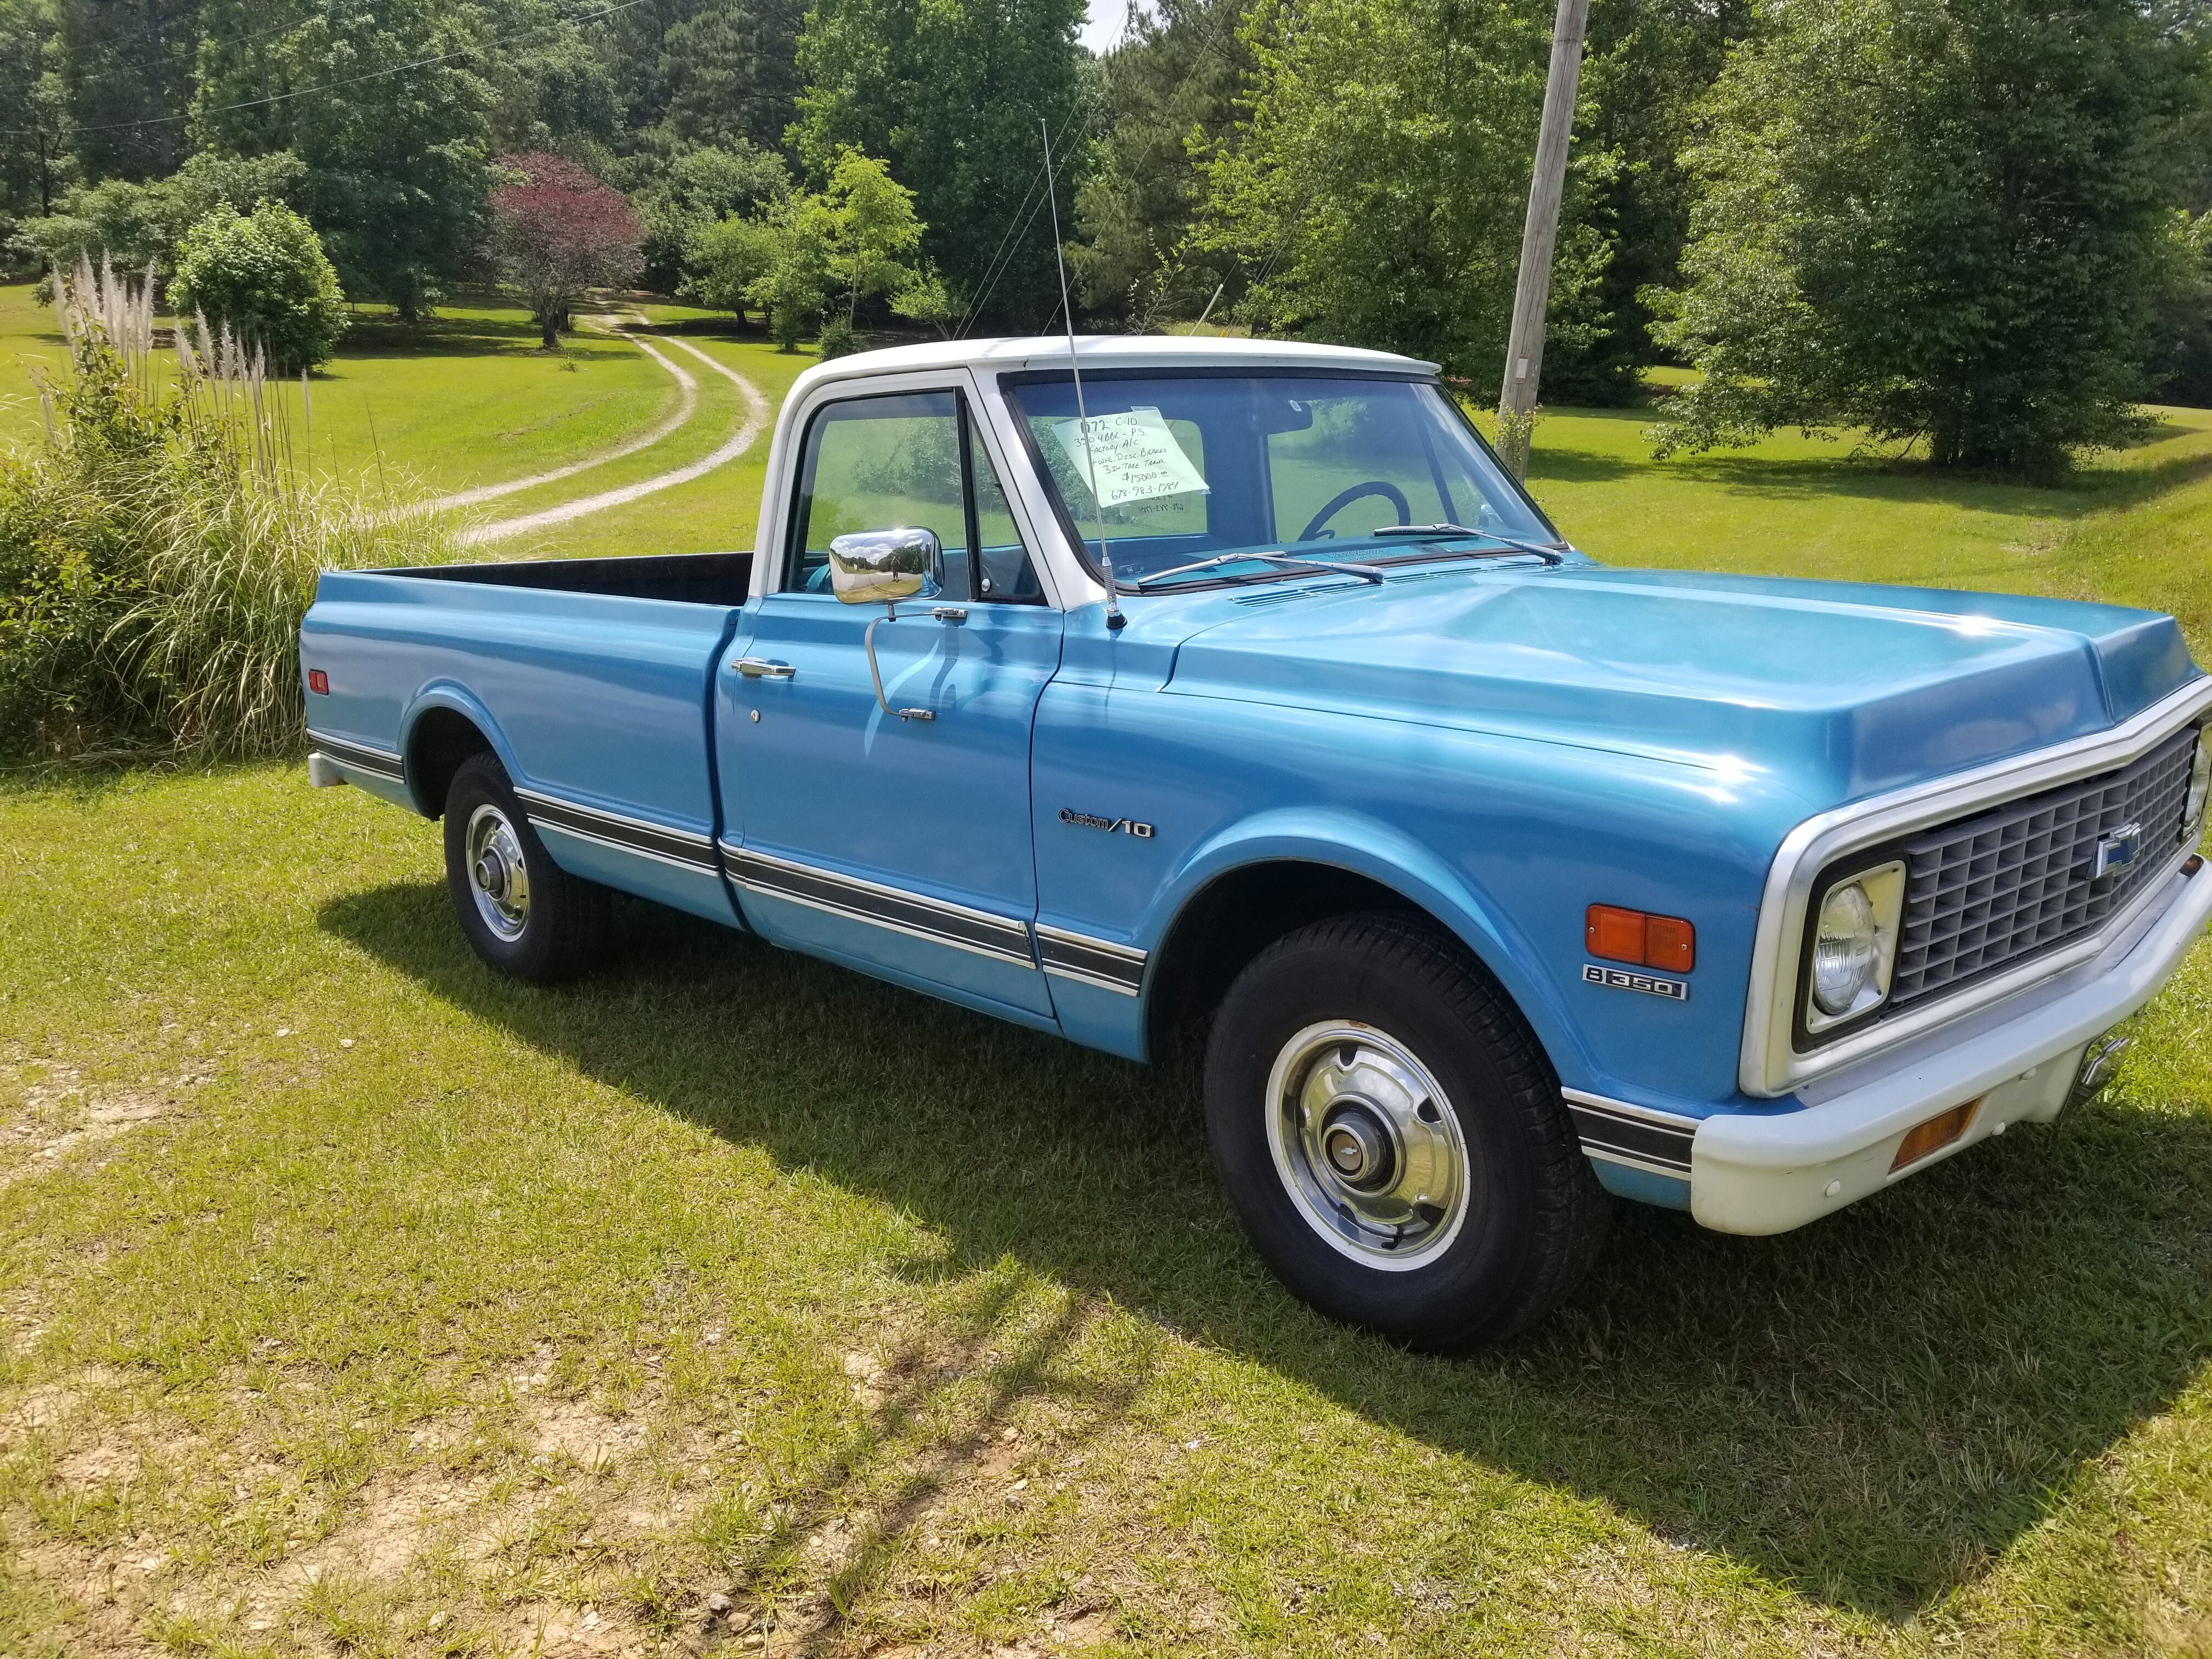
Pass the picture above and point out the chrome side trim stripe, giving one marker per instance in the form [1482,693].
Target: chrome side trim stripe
[1089,960]
[362,756]
[1634,1135]
[937,920]
[681,847]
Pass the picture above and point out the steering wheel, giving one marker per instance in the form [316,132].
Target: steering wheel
[1344,498]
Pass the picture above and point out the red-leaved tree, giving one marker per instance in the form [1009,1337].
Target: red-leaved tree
[556,231]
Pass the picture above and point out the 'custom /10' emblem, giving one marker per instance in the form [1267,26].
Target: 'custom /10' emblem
[1092,821]
[1622,979]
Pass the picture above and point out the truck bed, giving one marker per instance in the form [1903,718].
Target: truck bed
[591,678]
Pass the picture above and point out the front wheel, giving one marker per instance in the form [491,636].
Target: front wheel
[523,913]
[1392,1139]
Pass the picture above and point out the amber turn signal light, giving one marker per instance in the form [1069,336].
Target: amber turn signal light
[318,683]
[1933,1136]
[1638,936]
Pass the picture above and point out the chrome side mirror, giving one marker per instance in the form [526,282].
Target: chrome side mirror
[882,567]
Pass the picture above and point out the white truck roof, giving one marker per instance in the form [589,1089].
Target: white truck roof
[1106,351]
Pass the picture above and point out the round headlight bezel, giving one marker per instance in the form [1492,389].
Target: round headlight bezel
[1867,901]
[2200,781]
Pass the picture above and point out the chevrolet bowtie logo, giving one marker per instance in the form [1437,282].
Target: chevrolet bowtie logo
[2117,851]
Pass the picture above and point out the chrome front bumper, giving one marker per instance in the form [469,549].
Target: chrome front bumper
[1766,1173]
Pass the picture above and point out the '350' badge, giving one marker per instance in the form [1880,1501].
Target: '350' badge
[1621,979]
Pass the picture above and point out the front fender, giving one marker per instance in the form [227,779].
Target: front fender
[1345,839]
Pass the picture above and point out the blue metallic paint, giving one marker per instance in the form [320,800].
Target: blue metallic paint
[1499,744]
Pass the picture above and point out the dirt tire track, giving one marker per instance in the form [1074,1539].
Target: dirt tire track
[757,416]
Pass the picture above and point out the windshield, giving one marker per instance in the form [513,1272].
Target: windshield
[1193,466]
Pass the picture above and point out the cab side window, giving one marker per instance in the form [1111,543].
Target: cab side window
[908,460]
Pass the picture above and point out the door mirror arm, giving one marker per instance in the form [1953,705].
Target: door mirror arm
[882,567]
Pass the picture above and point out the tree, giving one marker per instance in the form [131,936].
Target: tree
[950,93]
[693,73]
[1650,62]
[1170,94]
[127,71]
[1377,187]
[265,274]
[395,151]
[557,232]
[726,258]
[36,163]
[848,243]
[1943,220]
[693,191]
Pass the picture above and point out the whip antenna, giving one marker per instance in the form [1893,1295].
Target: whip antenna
[1114,616]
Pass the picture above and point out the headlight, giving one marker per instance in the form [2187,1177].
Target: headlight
[1853,945]
[1845,948]
[2200,780]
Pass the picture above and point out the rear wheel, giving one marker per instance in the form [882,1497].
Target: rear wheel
[1392,1139]
[522,913]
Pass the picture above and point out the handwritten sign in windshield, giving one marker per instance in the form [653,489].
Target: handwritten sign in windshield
[1134,456]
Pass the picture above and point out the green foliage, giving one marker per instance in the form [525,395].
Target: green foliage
[725,259]
[158,550]
[1648,65]
[136,226]
[849,242]
[692,192]
[397,175]
[950,93]
[36,163]
[1171,94]
[126,72]
[265,276]
[1376,188]
[2181,352]
[1943,220]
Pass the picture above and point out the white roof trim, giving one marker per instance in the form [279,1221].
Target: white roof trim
[1105,351]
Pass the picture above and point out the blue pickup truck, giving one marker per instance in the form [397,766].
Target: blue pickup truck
[1235,683]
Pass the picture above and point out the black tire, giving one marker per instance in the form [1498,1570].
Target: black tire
[559,927]
[1530,1215]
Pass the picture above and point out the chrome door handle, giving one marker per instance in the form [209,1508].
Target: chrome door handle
[759,668]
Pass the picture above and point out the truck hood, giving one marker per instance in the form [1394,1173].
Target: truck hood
[1838,689]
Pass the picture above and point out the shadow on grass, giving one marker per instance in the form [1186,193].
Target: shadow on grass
[1864,1410]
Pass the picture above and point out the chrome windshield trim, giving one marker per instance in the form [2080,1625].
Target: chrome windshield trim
[1769,1064]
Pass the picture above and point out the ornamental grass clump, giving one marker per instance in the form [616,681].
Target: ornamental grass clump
[158,550]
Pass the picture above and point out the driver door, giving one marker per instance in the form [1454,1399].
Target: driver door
[901,847]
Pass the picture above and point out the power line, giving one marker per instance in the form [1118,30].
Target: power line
[328,86]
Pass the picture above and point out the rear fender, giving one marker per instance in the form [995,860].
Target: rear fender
[451,696]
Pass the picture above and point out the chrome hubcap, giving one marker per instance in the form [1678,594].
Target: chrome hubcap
[497,875]
[1366,1144]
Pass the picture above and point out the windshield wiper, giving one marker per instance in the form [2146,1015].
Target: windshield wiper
[1325,566]
[1452,533]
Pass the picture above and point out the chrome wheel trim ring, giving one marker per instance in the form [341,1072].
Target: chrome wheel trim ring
[1367,1145]
[498,879]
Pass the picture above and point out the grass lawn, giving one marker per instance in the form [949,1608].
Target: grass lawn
[354,1301]
[466,398]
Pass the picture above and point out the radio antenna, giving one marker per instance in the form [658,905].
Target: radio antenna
[1115,619]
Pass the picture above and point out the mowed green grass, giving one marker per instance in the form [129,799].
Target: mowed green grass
[354,1300]
[464,397]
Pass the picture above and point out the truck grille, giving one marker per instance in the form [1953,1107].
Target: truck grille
[1995,889]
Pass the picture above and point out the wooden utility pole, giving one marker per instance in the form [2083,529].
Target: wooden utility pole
[1524,351]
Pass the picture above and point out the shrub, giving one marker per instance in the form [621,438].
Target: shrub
[264,275]
[158,550]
